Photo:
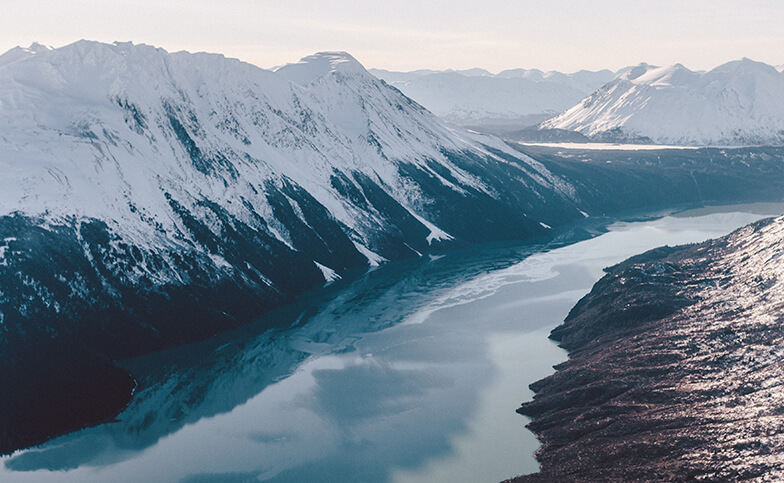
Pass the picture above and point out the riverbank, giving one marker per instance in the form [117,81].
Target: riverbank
[675,368]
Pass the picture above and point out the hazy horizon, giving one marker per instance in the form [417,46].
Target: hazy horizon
[407,35]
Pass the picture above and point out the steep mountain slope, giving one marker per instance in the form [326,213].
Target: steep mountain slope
[675,368]
[178,153]
[738,103]
[521,97]
[150,199]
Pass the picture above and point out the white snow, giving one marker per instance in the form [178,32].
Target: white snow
[373,258]
[738,103]
[329,274]
[219,261]
[436,233]
[412,249]
[545,225]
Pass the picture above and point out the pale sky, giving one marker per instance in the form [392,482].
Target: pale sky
[565,35]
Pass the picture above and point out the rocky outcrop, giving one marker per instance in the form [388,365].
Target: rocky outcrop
[676,363]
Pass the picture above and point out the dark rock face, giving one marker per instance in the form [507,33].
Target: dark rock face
[675,368]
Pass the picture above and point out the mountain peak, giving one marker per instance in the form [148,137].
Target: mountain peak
[638,70]
[21,53]
[744,65]
[666,76]
[315,66]
[35,48]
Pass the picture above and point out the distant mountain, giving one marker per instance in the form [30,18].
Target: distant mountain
[584,80]
[393,77]
[517,98]
[738,103]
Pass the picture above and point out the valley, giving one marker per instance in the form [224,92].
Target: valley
[410,372]
[283,268]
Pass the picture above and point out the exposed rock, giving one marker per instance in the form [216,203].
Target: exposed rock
[676,363]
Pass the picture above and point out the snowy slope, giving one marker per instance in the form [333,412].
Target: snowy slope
[158,197]
[738,103]
[476,96]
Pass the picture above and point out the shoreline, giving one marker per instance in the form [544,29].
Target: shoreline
[673,370]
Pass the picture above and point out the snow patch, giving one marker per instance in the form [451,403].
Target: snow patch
[373,258]
[220,262]
[436,233]
[329,274]
[412,249]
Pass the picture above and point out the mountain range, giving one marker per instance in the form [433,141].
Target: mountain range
[154,171]
[511,99]
[153,198]
[737,103]
[150,199]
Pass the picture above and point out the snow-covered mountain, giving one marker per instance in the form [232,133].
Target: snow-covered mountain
[518,97]
[583,80]
[738,103]
[150,198]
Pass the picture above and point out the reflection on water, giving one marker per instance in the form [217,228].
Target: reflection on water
[410,373]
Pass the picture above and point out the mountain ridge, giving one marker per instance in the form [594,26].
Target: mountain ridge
[674,368]
[520,96]
[150,199]
[737,103]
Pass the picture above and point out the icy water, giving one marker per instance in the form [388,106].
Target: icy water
[410,373]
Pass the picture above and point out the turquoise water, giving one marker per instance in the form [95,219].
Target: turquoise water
[409,373]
